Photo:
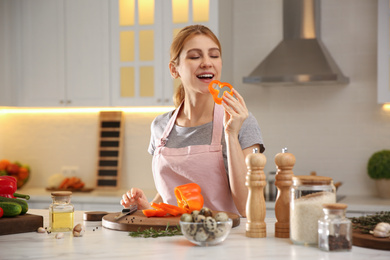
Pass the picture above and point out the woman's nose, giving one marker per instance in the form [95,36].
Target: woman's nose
[206,62]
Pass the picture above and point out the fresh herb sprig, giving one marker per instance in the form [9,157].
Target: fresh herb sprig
[168,232]
[366,223]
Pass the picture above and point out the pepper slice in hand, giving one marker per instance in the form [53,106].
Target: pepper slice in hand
[217,89]
[189,197]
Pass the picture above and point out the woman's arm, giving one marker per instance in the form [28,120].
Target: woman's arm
[235,114]
[237,172]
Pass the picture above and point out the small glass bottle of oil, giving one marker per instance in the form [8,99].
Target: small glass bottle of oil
[61,212]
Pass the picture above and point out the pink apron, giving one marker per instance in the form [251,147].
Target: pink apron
[201,164]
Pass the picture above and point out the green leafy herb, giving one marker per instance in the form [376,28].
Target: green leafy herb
[168,232]
[366,223]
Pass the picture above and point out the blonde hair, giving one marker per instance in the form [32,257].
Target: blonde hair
[177,46]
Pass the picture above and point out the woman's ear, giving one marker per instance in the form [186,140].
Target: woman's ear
[173,70]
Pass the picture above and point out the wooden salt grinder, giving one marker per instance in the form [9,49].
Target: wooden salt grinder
[255,205]
[283,180]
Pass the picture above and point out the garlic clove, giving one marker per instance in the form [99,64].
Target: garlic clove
[59,235]
[41,230]
[78,230]
[382,229]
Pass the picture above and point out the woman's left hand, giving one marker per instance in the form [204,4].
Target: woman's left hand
[235,112]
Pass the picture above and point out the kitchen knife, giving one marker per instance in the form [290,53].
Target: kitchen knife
[126,212]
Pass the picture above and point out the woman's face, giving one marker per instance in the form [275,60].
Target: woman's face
[200,63]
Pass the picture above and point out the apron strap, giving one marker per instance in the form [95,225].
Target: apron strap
[169,126]
[217,124]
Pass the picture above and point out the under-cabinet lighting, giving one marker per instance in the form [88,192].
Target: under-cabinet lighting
[12,110]
[386,107]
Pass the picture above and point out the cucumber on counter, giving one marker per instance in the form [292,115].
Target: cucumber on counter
[10,209]
[22,203]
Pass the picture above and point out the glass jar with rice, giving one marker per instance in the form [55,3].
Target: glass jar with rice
[307,195]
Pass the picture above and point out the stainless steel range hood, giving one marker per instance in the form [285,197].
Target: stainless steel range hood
[301,57]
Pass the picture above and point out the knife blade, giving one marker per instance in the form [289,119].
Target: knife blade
[126,212]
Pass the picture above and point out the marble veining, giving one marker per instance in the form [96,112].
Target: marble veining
[102,243]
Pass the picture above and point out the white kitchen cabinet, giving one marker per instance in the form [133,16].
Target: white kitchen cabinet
[64,53]
[383,51]
[68,52]
[144,80]
[8,43]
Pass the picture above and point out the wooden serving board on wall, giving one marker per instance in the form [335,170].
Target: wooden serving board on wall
[137,220]
[110,149]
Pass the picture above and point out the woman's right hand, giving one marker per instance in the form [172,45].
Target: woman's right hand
[137,197]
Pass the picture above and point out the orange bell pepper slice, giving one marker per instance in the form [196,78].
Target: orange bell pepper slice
[170,209]
[189,197]
[217,89]
[154,213]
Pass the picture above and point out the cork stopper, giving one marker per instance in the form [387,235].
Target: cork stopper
[312,180]
[334,206]
[61,193]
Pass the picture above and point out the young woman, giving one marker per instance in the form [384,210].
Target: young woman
[200,141]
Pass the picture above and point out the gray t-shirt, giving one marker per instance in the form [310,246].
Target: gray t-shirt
[179,137]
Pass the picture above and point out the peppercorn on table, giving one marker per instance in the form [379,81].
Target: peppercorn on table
[101,243]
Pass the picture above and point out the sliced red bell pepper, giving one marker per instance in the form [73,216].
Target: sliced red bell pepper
[1,212]
[217,89]
[189,197]
[154,213]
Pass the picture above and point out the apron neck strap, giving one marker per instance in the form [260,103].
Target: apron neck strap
[217,125]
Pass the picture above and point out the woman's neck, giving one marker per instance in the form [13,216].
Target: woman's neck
[196,111]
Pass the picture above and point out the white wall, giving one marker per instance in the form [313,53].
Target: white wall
[330,129]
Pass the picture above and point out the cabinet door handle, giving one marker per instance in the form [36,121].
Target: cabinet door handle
[68,101]
[61,101]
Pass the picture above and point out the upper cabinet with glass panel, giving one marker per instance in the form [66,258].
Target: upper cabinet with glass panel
[141,34]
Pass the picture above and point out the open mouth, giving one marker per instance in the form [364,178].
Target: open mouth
[205,76]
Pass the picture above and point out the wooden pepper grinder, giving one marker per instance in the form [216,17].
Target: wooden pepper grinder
[255,205]
[283,180]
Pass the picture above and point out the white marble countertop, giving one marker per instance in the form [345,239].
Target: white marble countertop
[102,243]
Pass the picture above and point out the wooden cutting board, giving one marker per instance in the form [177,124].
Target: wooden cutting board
[137,220]
[20,224]
[369,241]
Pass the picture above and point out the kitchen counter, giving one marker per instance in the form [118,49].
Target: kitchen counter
[109,201]
[102,243]
[95,200]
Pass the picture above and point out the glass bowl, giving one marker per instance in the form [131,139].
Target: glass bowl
[198,234]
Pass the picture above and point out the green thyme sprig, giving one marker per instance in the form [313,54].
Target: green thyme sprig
[367,223]
[168,232]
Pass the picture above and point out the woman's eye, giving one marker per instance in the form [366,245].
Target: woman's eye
[194,57]
[214,56]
